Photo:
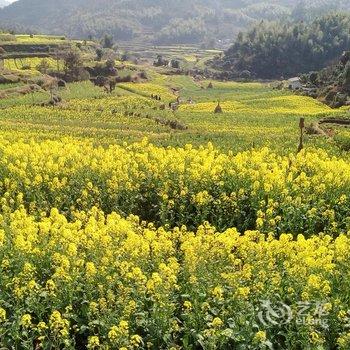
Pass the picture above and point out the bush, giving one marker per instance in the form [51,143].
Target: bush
[43,66]
[9,78]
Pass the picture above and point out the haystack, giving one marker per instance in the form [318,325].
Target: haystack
[218,109]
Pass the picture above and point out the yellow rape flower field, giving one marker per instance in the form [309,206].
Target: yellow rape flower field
[30,64]
[126,225]
[298,105]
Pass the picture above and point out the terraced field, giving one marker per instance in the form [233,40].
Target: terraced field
[31,64]
[253,114]
[32,39]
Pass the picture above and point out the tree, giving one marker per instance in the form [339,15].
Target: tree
[107,42]
[346,77]
[110,67]
[72,60]
[160,61]
[73,65]
[99,54]
[175,64]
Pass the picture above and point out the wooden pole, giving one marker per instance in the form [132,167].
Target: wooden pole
[301,141]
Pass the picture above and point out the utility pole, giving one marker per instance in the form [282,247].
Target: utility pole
[301,126]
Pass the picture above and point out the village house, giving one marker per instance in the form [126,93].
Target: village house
[294,83]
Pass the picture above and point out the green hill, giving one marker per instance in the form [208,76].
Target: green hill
[272,50]
[158,21]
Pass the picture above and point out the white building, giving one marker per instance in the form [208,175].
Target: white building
[295,83]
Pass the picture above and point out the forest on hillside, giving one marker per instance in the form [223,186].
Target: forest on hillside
[157,21]
[279,50]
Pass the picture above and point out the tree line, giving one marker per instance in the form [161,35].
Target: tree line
[284,49]
[157,21]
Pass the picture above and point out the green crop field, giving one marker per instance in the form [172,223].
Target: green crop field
[31,64]
[253,114]
[34,39]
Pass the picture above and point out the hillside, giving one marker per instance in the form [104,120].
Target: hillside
[330,85]
[272,50]
[158,21]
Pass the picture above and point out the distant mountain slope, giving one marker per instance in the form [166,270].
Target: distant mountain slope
[273,50]
[159,21]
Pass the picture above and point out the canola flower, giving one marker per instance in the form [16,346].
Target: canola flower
[308,193]
[30,63]
[154,288]
[134,246]
[253,114]
[276,105]
[148,89]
